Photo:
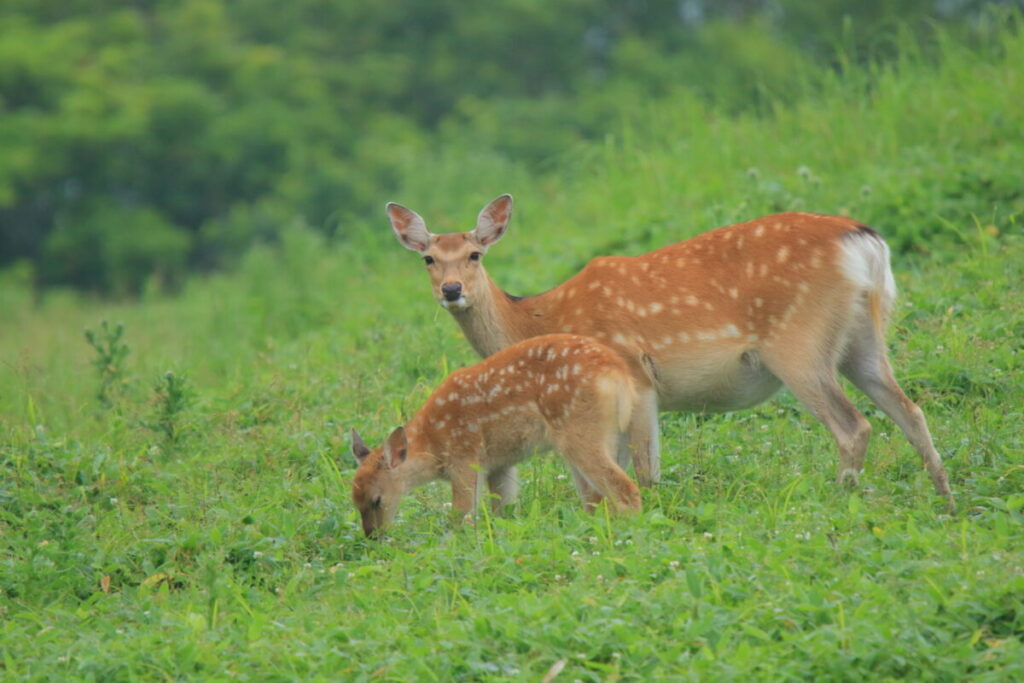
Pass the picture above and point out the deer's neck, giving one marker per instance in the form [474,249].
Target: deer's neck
[497,320]
[422,466]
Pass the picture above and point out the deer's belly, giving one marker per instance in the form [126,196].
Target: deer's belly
[716,382]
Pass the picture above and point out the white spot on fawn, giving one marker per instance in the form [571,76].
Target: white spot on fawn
[782,254]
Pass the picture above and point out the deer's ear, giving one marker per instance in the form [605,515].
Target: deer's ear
[396,448]
[409,228]
[493,221]
[359,449]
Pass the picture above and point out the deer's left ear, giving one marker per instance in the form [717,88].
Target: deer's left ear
[396,448]
[409,228]
[359,449]
[493,221]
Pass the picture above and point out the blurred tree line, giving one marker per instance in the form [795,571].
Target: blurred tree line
[157,136]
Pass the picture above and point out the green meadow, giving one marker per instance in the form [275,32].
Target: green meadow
[174,494]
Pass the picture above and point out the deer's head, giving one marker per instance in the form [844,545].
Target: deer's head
[379,484]
[453,260]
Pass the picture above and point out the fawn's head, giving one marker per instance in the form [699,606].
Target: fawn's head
[377,486]
[453,260]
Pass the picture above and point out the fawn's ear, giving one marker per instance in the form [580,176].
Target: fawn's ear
[493,221]
[359,448]
[409,228]
[395,448]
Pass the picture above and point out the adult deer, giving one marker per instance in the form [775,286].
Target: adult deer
[558,390]
[718,322]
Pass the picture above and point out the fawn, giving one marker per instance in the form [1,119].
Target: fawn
[715,323]
[562,391]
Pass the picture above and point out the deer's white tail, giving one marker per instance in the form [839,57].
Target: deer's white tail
[865,261]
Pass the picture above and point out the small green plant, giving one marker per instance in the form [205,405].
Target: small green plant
[172,396]
[109,361]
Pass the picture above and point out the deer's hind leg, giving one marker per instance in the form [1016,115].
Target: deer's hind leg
[597,476]
[866,364]
[810,373]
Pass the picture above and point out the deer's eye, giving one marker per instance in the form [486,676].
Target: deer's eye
[429,260]
[475,256]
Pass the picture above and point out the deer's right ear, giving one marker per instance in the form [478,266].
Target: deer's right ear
[359,448]
[409,228]
[493,221]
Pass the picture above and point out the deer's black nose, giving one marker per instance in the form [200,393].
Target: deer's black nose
[451,290]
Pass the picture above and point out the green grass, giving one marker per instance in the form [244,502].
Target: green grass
[208,532]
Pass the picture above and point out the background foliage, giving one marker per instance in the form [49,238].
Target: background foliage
[144,139]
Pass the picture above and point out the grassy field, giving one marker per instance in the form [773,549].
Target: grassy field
[198,523]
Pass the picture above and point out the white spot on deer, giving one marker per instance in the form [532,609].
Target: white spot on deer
[734,293]
[816,258]
[680,262]
[619,339]
[683,337]
[691,300]
[803,287]
[655,308]
[758,231]
[606,291]
[782,254]
[576,369]
[551,388]
[551,354]
[730,331]
[708,306]
[758,301]
[473,427]
[763,270]
[707,336]
[439,401]
[752,337]
[594,284]
[440,424]
[572,292]
[674,300]
[566,328]
[667,340]
[630,306]
[452,396]
[642,312]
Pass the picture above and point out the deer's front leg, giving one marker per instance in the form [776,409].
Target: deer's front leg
[643,438]
[467,482]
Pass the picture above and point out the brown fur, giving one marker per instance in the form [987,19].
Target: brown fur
[562,391]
